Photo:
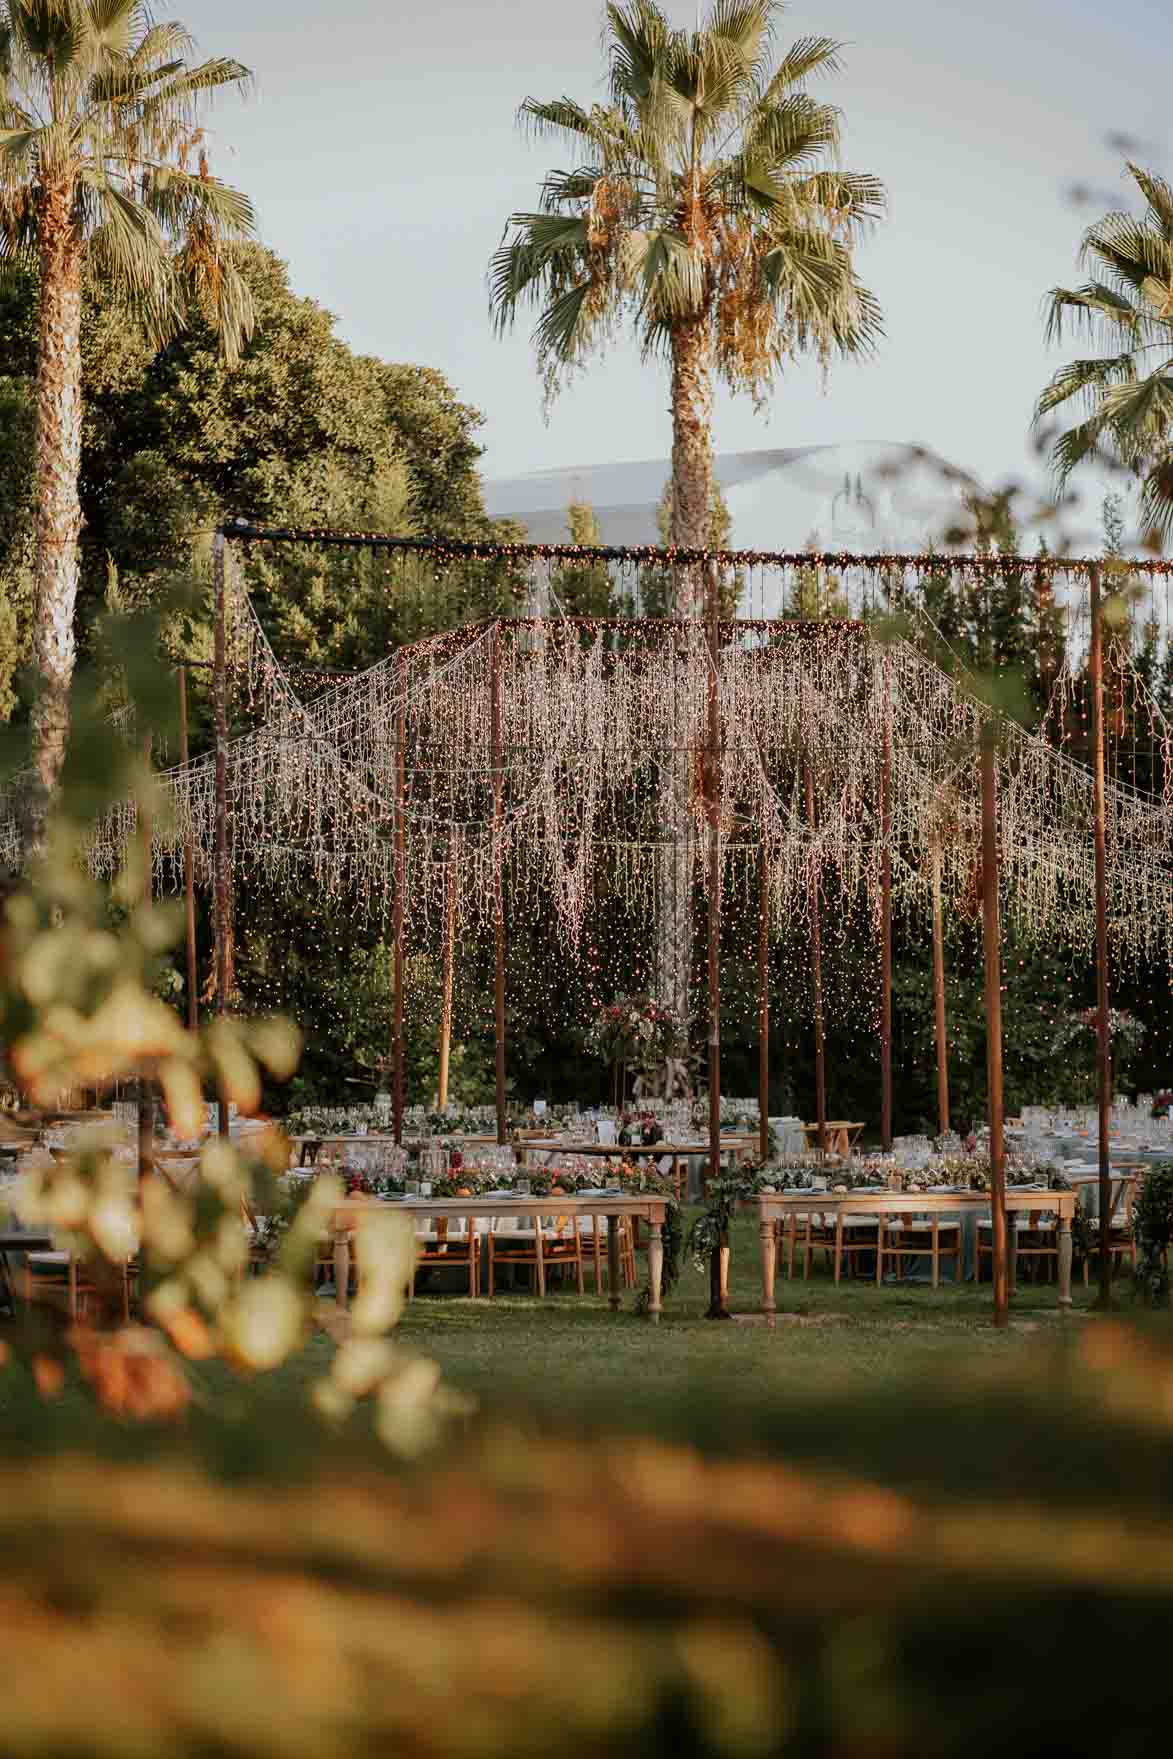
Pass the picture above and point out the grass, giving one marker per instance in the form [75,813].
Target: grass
[570,1354]
[849,1365]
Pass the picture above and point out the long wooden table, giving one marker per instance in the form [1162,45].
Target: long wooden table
[648,1208]
[771,1206]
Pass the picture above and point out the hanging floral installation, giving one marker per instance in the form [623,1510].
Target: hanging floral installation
[546,746]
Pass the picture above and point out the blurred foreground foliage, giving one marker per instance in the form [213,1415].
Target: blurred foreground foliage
[901,1574]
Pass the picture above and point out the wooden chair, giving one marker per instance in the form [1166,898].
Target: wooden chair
[534,1246]
[912,1237]
[447,1249]
[594,1229]
[1122,1238]
[856,1235]
[814,1233]
[1032,1238]
[62,1280]
[258,1257]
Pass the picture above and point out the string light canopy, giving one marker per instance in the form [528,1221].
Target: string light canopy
[594,779]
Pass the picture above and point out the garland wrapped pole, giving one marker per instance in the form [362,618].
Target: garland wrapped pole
[400,895]
[193,997]
[1103,1041]
[817,974]
[719,1263]
[498,764]
[886,918]
[939,991]
[992,949]
[449,963]
[223,878]
[763,1005]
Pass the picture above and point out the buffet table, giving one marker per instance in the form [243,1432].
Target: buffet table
[773,1206]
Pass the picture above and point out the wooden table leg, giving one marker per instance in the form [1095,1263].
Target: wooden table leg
[1012,1253]
[1065,1261]
[342,1272]
[613,1294]
[655,1268]
[769,1267]
[724,1273]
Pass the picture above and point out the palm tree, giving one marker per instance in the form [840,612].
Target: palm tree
[99,124]
[697,207]
[1127,388]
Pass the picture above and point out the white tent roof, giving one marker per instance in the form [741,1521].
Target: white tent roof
[860,497]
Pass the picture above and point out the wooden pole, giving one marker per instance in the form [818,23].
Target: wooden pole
[817,976]
[222,878]
[146,1098]
[939,993]
[449,972]
[992,948]
[886,919]
[193,981]
[764,1006]
[400,900]
[717,1307]
[1103,1038]
[498,763]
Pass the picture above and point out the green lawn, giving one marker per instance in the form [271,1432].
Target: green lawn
[565,1355]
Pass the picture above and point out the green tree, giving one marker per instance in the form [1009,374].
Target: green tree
[657,586]
[584,589]
[695,209]
[1126,306]
[818,594]
[98,124]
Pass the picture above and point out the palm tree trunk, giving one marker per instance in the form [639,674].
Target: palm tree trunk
[692,500]
[692,451]
[57,467]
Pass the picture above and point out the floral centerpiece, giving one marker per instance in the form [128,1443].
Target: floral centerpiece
[1162,1103]
[634,1032]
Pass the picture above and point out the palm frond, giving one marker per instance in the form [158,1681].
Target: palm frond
[853,199]
[792,132]
[639,34]
[557,331]
[747,26]
[544,248]
[805,56]
[810,276]
[671,274]
[1157,193]
[1092,307]
[176,198]
[16,144]
[115,24]
[1083,378]
[1079,443]
[1131,249]
[50,31]
[177,95]
[1156,500]
[1139,412]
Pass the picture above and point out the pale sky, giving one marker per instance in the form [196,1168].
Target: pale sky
[381,150]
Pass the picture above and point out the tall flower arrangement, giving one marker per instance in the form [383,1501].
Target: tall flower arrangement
[635,1032]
